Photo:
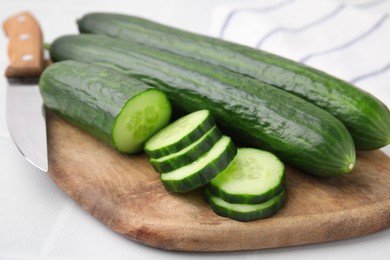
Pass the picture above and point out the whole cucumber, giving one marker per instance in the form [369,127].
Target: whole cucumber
[367,119]
[297,131]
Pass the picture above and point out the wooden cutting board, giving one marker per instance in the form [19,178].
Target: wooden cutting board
[125,193]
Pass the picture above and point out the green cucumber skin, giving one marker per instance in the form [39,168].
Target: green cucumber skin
[190,156]
[367,118]
[246,199]
[88,96]
[295,130]
[187,140]
[248,216]
[203,176]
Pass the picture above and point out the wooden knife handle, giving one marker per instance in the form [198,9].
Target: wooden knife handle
[25,46]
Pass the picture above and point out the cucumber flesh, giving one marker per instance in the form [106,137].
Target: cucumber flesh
[201,171]
[187,155]
[179,134]
[254,176]
[246,212]
[140,118]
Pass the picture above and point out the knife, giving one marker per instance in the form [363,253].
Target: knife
[25,114]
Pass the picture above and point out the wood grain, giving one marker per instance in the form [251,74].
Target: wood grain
[25,46]
[125,193]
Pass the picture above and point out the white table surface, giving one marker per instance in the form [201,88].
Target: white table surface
[38,221]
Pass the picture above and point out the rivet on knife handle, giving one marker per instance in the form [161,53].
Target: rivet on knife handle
[25,46]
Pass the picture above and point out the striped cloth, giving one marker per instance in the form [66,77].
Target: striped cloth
[345,38]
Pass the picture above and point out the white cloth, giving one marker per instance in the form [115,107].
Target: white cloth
[347,39]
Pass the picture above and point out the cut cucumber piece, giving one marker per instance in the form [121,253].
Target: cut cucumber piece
[187,155]
[246,212]
[201,171]
[254,176]
[121,111]
[140,118]
[179,134]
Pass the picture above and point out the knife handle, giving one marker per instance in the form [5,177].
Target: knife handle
[25,46]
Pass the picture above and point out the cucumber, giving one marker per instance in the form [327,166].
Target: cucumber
[367,119]
[253,112]
[246,212]
[179,134]
[201,171]
[118,110]
[189,154]
[254,176]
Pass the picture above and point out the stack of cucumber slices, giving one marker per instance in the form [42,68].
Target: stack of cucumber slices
[244,184]
[250,188]
[190,152]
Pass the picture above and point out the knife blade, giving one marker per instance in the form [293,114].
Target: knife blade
[25,114]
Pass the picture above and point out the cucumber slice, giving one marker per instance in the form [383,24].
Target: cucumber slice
[187,155]
[254,176]
[179,134]
[140,118]
[246,212]
[202,170]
